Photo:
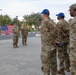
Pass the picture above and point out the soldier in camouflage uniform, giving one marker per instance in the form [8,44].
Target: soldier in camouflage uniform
[24,32]
[48,39]
[62,43]
[73,39]
[15,31]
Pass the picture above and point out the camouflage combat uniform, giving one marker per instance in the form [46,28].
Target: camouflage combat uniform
[48,52]
[73,45]
[63,40]
[73,39]
[15,31]
[24,32]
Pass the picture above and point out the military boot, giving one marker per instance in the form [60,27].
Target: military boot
[17,46]
[67,69]
[14,46]
[46,74]
[23,44]
[61,71]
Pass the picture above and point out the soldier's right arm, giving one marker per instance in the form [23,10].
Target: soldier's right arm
[14,31]
[55,33]
[60,28]
[44,27]
[73,30]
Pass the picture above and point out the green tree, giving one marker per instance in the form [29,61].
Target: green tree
[5,20]
[34,18]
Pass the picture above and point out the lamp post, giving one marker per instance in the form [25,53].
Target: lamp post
[17,20]
[0,9]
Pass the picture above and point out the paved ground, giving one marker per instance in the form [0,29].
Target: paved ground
[24,60]
[10,36]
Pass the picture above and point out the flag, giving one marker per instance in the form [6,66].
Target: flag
[6,29]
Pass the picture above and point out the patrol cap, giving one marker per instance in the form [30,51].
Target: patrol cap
[73,6]
[61,15]
[45,11]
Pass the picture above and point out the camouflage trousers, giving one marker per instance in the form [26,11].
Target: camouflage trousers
[73,60]
[49,61]
[24,39]
[63,57]
[15,40]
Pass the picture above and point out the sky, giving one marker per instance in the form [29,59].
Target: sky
[20,8]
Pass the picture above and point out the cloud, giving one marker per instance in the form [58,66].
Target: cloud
[23,7]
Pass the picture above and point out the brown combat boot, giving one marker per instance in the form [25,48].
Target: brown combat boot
[25,44]
[14,46]
[17,46]
[67,69]
[61,71]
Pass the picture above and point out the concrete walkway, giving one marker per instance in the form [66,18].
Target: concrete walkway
[24,60]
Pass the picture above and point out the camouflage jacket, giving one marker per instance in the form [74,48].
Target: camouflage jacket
[73,32]
[63,31]
[15,31]
[24,31]
[48,33]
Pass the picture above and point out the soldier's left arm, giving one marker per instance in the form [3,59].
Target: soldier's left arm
[74,30]
[67,29]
